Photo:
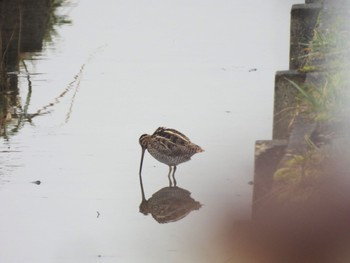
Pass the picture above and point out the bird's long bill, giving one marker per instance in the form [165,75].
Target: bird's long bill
[140,173]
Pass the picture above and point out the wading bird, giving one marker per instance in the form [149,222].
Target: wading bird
[170,147]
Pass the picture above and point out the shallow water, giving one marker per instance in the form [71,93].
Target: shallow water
[119,70]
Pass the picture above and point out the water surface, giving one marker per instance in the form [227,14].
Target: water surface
[121,69]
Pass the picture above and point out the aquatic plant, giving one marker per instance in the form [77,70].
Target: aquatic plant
[16,36]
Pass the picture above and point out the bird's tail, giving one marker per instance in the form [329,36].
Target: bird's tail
[199,149]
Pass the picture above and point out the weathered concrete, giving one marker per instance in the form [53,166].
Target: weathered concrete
[285,102]
[303,213]
[303,128]
[268,155]
[286,98]
[303,21]
[288,129]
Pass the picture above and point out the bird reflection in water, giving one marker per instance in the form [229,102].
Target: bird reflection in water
[169,204]
[170,147]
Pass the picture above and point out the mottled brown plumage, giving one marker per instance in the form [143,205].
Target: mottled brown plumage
[168,146]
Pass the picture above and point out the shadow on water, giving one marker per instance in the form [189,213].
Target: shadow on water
[169,204]
[24,27]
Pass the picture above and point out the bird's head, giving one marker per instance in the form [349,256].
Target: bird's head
[144,140]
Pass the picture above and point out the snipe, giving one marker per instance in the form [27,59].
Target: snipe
[168,146]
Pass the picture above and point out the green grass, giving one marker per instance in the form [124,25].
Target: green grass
[323,99]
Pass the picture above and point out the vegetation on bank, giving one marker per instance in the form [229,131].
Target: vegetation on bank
[11,46]
[324,100]
[325,97]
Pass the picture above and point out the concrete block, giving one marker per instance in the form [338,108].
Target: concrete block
[285,101]
[268,154]
[303,21]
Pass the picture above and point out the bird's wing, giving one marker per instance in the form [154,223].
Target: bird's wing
[173,135]
[167,147]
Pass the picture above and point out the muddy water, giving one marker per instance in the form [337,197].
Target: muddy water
[121,69]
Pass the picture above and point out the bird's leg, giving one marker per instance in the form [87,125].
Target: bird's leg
[140,176]
[174,170]
[170,182]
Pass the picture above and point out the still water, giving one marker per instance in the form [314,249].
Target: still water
[121,69]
